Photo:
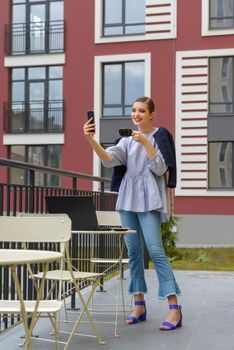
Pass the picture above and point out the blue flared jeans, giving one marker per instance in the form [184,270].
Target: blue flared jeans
[148,225]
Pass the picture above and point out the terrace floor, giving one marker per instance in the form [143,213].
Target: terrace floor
[208,309]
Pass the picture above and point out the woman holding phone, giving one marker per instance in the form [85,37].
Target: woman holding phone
[142,204]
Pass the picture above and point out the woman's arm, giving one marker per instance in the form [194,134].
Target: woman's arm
[89,131]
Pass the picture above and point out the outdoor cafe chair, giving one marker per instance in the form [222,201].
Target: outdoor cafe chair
[70,275]
[19,232]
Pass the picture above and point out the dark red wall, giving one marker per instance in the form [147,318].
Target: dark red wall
[204,205]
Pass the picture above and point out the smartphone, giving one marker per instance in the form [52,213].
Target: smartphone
[90,115]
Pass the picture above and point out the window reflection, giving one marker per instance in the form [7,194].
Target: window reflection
[17,176]
[37,73]
[36,101]
[18,14]
[56,11]
[37,26]
[221,14]
[113,11]
[123,83]
[112,83]
[134,81]
[44,155]
[123,17]
[221,85]
[221,165]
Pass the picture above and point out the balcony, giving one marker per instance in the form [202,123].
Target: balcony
[33,117]
[34,38]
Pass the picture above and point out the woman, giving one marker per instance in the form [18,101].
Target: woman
[142,203]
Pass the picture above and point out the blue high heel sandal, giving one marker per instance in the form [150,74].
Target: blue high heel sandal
[134,319]
[170,325]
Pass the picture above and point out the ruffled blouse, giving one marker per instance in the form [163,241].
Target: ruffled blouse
[143,186]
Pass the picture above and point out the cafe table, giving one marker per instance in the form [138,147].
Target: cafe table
[16,257]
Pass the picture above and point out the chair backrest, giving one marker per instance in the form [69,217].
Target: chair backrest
[108,218]
[35,228]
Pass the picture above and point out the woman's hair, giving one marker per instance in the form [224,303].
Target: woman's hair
[148,101]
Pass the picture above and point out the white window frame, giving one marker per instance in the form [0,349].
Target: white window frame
[98,63]
[171,34]
[205,23]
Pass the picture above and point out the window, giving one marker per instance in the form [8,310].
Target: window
[122,84]
[123,17]
[37,26]
[46,155]
[36,99]
[221,172]
[221,120]
[221,99]
[118,81]
[221,14]
[135,20]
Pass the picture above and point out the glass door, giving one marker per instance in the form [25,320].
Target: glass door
[37,38]
[36,105]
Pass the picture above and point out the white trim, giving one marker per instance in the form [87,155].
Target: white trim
[202,193]
[33,139]
[211,245]
[34,60]
[205,23]
[172,27]
[99,60]
[180,113]
[209,53]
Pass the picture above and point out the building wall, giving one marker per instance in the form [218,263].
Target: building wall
[205,231]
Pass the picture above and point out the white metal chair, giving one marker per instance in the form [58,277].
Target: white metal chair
[34,230]
[76,279]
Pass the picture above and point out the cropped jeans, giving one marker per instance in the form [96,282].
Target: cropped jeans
[147,224]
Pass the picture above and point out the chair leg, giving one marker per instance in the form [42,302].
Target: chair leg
[85,311]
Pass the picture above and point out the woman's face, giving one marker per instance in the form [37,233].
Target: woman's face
[141,115]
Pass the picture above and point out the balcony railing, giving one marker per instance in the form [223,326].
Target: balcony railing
[34,38]
[33,116]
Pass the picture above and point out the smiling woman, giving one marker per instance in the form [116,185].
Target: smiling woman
[142,204]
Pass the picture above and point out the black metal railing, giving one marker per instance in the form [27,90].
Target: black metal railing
[33,116]
[34,38]
[15,199]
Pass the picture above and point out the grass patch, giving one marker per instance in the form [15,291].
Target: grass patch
[207,259]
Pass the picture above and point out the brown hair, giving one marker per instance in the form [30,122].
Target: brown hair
[148,101]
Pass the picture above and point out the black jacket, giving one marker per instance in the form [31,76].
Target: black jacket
[167,147]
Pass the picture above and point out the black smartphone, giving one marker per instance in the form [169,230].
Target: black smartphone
[90,115]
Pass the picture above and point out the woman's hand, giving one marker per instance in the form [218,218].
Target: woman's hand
[89,128]
[89,131]
[139,137]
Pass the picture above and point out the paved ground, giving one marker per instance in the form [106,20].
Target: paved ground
[208,319]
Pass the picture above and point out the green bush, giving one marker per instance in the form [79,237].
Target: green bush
[169,239]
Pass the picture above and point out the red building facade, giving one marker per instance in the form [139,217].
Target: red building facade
[60,58]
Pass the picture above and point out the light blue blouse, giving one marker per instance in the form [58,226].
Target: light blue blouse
[143,186]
